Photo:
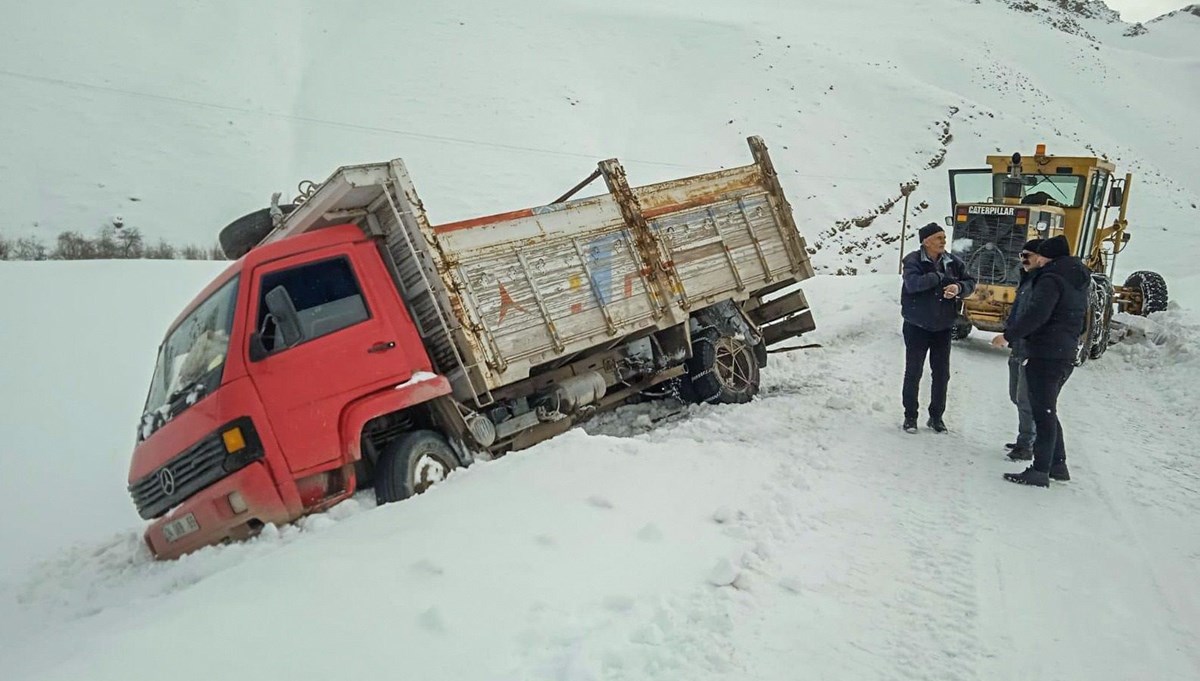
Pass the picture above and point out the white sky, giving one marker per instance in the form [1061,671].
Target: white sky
[1144,10]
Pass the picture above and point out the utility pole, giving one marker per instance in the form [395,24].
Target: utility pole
[906,188]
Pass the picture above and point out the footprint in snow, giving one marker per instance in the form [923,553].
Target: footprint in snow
[431,620]
[599,501]
[427,568]
[618,603]
[723,515]
[723,573]
[650,533]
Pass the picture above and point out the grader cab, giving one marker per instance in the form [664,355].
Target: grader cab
[998,208]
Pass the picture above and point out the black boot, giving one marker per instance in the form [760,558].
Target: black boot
[1029,476]
[1059,472]
[910,425]
[1010,445]
[1020,454]
[936,425]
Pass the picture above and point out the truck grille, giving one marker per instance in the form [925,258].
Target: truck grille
[990,245]
[196,468]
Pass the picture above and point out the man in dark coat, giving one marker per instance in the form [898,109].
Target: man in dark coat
[1049,325]
[1018,390]
[935,282]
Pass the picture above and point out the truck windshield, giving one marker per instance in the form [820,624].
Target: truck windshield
[1066,190]
[191,358]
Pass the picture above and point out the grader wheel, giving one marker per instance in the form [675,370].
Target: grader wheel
[1150,288]
[1101,314]
[961,329]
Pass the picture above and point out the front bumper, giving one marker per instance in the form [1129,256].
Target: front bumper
[217,518]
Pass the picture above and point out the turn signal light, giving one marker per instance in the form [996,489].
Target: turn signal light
[234,442]
[1040,150]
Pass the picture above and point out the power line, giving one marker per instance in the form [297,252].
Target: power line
[61,82]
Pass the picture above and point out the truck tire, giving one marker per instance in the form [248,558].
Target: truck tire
[961,329]
[244,233]
[1102,316]
[1153,289]
[411,464]
[722,370]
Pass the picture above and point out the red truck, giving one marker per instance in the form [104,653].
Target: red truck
[352,343]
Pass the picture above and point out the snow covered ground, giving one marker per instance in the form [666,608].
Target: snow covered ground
[800,536]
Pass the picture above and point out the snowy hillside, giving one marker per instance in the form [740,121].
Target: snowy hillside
[497,106]
[800,536]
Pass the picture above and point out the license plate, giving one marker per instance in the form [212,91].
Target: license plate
[181,527]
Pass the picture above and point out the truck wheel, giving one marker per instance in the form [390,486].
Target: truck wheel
[1153,289]
[722,370]
[961,329]
[1102,316]
[244,233]
[411,464]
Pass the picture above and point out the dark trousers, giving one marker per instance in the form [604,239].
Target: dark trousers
[1045,378]
[917,344]
[1018,392]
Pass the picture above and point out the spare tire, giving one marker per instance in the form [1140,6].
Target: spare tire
[246,232]
[1153,289]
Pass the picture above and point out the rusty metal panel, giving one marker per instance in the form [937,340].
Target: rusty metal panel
[727,246]
[497,295]
[554,302]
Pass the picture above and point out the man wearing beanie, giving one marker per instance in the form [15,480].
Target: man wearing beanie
[1049,325]
[1018,390]
[935,282]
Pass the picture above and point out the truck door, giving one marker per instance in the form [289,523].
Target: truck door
[347,347]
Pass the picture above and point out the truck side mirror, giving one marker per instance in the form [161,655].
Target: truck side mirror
[1116,196]
[258,349]
[281,307]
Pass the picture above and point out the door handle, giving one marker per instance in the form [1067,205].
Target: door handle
[382,346]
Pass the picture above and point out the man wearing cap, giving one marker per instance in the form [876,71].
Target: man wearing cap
[1049,325]
[1018,390]
[935,281]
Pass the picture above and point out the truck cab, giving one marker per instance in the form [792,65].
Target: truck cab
[233,388]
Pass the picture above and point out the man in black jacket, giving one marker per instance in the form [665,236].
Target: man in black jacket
[1049,325]
[935,281]
[1018,389]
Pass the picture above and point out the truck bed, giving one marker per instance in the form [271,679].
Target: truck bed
[493,297]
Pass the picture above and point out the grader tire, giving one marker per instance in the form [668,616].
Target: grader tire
[1103,320]
[961,329]
[1083,347]
[1153,289]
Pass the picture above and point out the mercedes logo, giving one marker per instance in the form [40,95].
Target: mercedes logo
[166,480]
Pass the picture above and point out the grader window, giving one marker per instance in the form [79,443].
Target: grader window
[1041,189]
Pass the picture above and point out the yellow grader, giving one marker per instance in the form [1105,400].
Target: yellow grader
[998,208]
